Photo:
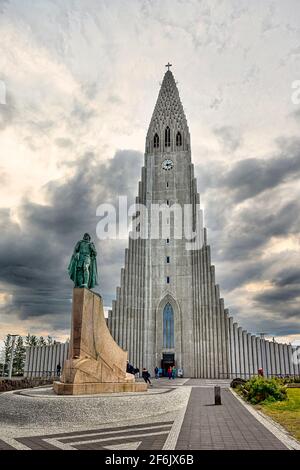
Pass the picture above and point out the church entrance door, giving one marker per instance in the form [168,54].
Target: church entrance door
[167,361]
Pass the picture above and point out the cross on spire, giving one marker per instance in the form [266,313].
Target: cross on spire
[168,65]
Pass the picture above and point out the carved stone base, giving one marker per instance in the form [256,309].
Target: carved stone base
[96,363]
[92,388]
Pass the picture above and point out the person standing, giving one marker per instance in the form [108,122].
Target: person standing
[156,372]
[170,372]
[174,372]
[146,376]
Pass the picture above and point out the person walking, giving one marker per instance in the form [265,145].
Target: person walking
[156,372]
[146,376]
[58,370]
[170,372]
[174,372]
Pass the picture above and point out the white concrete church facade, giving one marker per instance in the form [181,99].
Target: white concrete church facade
[168,308]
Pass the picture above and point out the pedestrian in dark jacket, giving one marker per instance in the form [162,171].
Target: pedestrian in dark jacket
[146,376]
[156,372]
[58,370]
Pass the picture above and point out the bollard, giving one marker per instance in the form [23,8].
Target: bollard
[218,396]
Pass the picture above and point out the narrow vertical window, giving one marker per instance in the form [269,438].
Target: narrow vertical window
[167,137]
[168,327]
[168,259]
[168,240]
[168,280]
[168,202]
[167,184]
[178,139]
[156,141]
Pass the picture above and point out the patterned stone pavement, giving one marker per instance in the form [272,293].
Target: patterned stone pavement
[177,414]
[141,436]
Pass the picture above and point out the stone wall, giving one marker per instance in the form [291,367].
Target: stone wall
[41,361]
[250,353]
[14,384]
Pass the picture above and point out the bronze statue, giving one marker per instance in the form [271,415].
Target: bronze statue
[83,265]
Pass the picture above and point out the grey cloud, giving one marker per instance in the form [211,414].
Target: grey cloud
[90,89]
[268,22]
[239,234]
[270,324]
[296,114]
[81,113]
[237,273]
[282,298]
[229,137]
[114,99]
[216,102]
[249,177]
[34,257]
[44,125]
[4,178]
[7,112]
[276,315]
[3,3]
[272,296]
[63,142]
[279,309]
[252,228]
[252,176]
[210,176]
[287,277]
[238,11]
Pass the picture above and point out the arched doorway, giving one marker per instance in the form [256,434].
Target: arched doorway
[168,359]
[168,326]
[168,346]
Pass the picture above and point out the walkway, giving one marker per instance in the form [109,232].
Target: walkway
[174,414]
[229,426]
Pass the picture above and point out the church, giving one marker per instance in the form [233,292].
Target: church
[168,309]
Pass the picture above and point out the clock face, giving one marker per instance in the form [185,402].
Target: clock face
[167,164]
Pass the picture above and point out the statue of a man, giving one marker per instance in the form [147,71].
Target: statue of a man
[83,266]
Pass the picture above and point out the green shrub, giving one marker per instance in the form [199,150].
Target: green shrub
[261,389]
[291,380]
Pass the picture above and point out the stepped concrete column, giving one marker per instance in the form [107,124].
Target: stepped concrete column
[250,355]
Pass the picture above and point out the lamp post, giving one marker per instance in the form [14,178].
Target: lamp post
[12,355]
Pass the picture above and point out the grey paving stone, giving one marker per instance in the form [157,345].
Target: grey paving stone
[229,426]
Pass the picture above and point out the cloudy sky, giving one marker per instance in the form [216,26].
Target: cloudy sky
[78,84]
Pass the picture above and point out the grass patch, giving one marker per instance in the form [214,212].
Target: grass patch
[287,412]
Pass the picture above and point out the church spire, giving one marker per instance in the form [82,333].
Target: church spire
[168,129]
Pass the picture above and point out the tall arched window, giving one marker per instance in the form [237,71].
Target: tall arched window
[156,141]
[178,139]
[167,137]
[168,326]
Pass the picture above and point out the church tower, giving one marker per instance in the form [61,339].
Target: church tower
[168,308]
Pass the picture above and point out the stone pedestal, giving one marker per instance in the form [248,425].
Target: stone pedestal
[96,363]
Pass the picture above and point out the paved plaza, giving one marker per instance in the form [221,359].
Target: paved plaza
[173,414]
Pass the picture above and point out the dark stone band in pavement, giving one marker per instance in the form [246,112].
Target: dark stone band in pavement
[151,436]
[5,446]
